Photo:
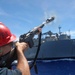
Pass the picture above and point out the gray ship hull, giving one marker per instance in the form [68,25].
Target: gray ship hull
[53,50]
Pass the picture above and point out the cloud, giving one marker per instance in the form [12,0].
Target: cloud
[59,8]
[12,16]
[72,33]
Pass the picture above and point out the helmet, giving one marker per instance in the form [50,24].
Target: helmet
[5,35]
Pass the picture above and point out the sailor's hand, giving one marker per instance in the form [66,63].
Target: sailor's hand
[21,46]
[39,30]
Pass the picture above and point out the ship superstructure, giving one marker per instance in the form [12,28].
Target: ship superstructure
[53,45]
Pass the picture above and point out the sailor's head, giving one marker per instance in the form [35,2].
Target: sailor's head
[6,39]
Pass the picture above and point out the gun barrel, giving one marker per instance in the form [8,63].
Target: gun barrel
[47,21]
[50,19]
[42,25]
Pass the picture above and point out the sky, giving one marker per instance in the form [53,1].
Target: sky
[20,16]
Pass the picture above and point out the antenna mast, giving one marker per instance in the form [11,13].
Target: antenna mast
[59,30]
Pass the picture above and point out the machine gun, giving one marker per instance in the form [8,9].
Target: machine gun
[28,37]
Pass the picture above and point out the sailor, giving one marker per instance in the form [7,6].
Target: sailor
[6,43]
[6,40]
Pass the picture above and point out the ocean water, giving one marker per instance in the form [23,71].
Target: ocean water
[55,67]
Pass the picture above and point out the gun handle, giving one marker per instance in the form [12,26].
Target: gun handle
[31,43]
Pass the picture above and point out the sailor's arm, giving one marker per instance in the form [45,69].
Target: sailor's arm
[22,64]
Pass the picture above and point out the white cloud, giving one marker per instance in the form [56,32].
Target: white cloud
[72,33]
